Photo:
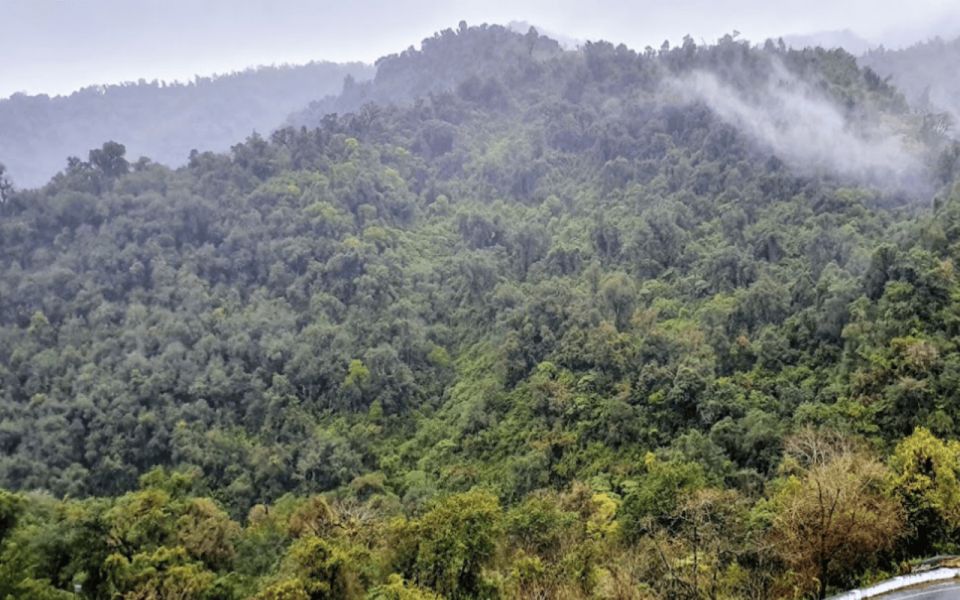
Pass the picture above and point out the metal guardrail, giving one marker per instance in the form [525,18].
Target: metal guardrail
[928,571]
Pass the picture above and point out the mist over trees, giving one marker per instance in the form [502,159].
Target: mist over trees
[926,73]
[515,322]
[162,121]
[443,62]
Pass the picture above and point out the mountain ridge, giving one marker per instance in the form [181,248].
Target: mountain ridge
[162,120]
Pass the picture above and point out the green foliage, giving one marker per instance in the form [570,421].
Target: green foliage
[162,120]
[546,331]
[448,548]
[658,493]
[538,525]
[926,480]
[163,573]
[11,505]
[316,570]
[397,589]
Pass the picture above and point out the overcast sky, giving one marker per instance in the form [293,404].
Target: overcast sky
[57,46]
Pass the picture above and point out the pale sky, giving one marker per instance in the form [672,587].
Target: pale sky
[57,46]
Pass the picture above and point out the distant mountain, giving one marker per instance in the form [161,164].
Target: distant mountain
[925,72]
[162,121]
[945,25]
[846,39]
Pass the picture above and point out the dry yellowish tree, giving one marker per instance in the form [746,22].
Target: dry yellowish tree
[832,515]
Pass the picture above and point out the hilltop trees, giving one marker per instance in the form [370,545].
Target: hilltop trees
[109,160]
[6,186]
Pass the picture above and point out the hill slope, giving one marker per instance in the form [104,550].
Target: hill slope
[162,122]
[574,324]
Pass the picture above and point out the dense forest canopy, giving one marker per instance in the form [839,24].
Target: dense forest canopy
[676,323]
[443,62]
[162,121]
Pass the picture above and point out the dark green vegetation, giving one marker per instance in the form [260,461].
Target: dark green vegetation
[161,121]
[553,333]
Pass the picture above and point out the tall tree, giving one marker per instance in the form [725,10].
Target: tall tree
[832,516]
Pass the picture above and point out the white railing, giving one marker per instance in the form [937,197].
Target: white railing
[904,581]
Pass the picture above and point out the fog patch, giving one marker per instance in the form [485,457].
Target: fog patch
[809,131]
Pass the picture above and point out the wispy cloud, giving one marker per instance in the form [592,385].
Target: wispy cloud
[808,130]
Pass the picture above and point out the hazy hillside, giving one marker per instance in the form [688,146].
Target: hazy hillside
[846,39]
[443,62]
[926,72]
[163,122]
[517,322]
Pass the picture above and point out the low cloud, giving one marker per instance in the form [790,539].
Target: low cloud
[810,131]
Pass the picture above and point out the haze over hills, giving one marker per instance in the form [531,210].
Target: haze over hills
[161,121]
[166,121]
[846,39]
[895,36]
[504,321]
[441,64]
[565,41]
[926,72]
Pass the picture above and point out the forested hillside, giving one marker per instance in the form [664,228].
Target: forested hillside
[443,62]
[161,121]
[926,72]
[677,323]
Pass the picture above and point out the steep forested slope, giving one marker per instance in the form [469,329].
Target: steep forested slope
[161,121]
[570,325]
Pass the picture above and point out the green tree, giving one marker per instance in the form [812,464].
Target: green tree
[926,480]
[448,548]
